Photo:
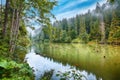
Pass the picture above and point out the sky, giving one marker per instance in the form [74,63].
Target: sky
[3,1]
[70,8]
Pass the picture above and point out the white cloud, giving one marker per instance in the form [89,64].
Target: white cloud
[73,13]
[70,14]
[71,4]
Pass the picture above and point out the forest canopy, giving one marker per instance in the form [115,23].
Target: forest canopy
[101,24]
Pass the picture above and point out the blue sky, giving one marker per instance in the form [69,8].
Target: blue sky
[70,8]
[3,1]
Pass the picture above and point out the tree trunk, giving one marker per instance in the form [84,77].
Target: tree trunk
[11,31]
[1,13]
[14,30]
[6,17]
[15,27]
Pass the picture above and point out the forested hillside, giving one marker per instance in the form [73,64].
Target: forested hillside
[101,25]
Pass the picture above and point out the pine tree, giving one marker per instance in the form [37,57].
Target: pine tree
[114,35]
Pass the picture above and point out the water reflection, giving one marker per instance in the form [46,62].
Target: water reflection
[42,64]
[100,60]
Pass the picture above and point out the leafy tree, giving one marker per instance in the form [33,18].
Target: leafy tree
[14,39]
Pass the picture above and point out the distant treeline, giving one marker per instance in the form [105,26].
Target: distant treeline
[101,24]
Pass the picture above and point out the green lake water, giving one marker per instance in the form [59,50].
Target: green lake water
[96,62]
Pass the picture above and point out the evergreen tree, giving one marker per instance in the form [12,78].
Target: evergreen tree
[114,35]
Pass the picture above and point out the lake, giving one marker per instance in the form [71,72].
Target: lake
[94,61]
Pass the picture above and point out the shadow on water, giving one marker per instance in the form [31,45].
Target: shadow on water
[97,62]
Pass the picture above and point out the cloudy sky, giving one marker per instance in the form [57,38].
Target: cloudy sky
[70,8]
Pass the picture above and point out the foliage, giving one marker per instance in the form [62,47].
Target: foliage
[114,35]
[73,74]
[3,47]
[14,41]
[84,37]
[47,75]
[77,40]
[10,70]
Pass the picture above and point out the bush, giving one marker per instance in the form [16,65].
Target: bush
[77,40]
[10,70]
